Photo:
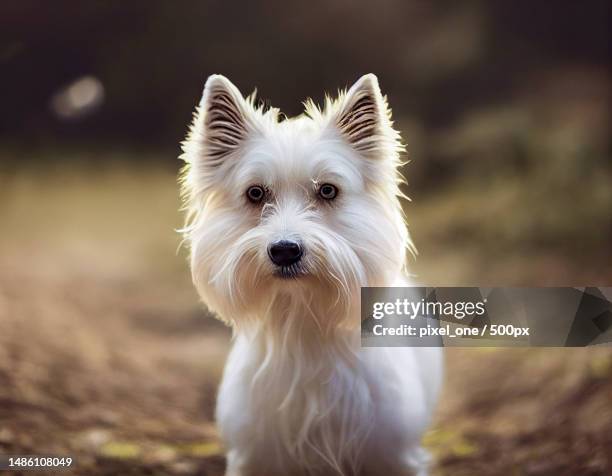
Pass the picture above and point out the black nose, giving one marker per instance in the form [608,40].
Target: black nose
[285,252]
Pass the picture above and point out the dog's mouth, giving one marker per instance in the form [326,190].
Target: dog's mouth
[292,271]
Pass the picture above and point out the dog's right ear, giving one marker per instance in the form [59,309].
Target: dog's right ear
[223,121]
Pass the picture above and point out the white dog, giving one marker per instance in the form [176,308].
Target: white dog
[287,219]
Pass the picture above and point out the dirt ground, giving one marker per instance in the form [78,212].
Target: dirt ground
[106,354]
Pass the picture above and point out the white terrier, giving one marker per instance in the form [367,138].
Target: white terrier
[287,219]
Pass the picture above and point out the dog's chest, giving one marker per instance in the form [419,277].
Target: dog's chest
[306,409]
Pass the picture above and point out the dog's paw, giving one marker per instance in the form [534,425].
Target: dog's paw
[418,460]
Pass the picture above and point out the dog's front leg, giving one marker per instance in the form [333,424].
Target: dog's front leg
[235,466]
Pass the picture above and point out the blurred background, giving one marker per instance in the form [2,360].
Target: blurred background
[105,351]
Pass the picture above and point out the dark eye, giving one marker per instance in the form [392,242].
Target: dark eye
[327,191]
[255,193]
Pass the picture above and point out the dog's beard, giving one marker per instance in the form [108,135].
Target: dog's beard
[324,284]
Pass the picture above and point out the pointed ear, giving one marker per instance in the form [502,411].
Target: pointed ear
[223,121]
[363,118]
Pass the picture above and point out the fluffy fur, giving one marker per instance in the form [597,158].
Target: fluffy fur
[299,396]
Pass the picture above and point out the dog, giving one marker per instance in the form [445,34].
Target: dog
[286,219]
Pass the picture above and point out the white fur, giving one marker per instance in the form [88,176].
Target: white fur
[299,395]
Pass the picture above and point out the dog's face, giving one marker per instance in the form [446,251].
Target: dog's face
[301,208]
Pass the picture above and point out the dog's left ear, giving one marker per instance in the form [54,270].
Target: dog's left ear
[364,119]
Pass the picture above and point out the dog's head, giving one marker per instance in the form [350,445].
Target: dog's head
[303,208]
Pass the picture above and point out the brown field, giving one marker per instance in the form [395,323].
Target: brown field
[106,354]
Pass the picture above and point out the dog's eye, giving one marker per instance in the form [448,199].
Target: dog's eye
[255,193]
[327,191]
